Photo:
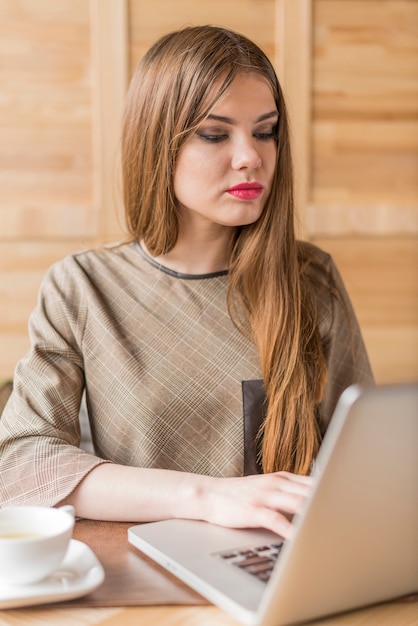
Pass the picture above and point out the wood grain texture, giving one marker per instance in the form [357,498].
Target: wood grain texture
[109,46]
[45,154]
[364,117]
[60,106]
[293,59]
[130,577]
[148,21]
[399,614]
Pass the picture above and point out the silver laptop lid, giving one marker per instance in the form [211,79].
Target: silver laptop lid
[356,542]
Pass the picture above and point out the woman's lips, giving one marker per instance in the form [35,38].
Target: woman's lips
[246,191]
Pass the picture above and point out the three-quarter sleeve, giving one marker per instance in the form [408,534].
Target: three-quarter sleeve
[40,458]
[345,351]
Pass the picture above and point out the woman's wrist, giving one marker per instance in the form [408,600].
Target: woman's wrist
[194,493]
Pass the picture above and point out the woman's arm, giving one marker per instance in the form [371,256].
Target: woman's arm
[345,350]
[123,493]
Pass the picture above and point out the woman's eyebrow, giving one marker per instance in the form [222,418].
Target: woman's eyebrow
[267,116]
[230,120]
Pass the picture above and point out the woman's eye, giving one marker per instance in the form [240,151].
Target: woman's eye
[266,136]
[212,138]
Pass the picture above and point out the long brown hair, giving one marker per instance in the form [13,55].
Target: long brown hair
[269,298]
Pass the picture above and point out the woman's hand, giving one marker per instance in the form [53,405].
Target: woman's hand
[267,501]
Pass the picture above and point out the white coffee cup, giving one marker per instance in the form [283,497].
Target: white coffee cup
[33,542]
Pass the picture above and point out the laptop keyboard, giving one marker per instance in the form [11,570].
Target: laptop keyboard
[258,561]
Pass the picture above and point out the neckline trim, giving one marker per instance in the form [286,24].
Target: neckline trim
[170,272]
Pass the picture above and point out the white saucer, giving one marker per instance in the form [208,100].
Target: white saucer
[79,574]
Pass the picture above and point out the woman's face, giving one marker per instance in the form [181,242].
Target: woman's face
[225,170]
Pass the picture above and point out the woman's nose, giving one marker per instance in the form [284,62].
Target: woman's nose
[246,155]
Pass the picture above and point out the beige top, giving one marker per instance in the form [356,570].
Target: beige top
[168,378]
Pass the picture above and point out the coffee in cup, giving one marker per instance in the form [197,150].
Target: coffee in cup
[33,542]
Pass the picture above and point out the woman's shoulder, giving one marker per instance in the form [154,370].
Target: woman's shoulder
[93,260]
[314,262]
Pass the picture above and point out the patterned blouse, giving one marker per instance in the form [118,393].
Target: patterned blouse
[168,380]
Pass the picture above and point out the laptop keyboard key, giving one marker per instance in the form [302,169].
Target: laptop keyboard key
[257,561]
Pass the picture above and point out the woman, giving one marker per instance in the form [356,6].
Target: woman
[212,347]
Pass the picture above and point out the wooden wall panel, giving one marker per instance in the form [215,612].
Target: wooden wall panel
[349,71]
[150,20]
[109,82]
[293,63]
[45,154]
[365,121]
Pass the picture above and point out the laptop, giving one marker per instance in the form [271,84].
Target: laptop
[355,541]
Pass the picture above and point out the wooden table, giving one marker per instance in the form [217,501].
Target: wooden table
[137,592]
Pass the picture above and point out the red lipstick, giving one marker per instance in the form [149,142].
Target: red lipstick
[246,191]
